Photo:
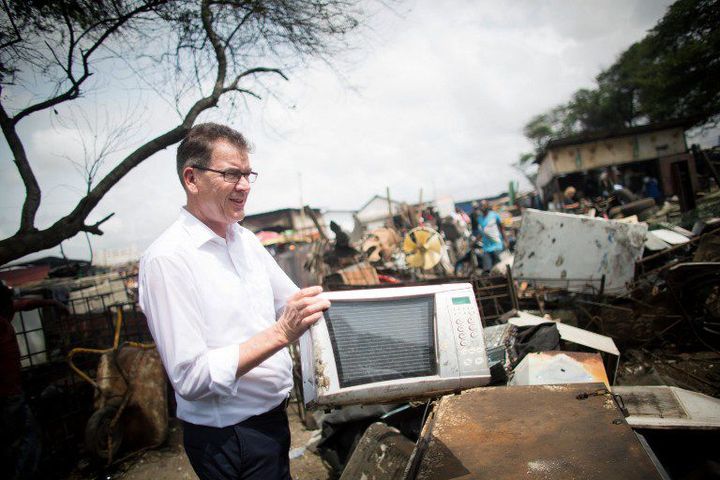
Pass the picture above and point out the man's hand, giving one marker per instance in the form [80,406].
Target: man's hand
[302,310]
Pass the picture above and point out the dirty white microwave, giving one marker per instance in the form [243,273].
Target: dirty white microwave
[390,344]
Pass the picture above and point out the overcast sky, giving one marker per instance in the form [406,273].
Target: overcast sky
[434,97]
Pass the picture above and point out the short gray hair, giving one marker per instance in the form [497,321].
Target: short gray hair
[197,146]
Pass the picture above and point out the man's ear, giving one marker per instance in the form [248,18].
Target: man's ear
[190,180]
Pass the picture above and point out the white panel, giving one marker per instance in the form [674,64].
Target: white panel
[667,407]
[570,333]
[574,252]
[673,238]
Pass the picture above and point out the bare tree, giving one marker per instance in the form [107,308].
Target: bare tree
[213,48]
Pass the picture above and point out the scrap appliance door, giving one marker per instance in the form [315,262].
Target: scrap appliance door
[377,340]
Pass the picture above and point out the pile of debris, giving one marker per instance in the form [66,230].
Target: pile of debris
[610,344]
[552,389]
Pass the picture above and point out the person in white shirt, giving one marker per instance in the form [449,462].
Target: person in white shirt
[222,313]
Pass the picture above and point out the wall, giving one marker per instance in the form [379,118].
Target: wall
[611,151]
[377,211]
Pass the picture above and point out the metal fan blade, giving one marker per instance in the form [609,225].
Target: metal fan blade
[422,236]
[431,259]
[415,260]
[434,244]
[413,237]
[409,246]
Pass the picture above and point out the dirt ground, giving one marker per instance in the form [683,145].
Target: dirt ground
[171,463]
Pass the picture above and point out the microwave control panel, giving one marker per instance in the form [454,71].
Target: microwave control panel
[468,332]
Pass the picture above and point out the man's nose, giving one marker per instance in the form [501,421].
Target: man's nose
[242,184]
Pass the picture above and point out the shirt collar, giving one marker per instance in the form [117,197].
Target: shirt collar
[198,231]
[201,233]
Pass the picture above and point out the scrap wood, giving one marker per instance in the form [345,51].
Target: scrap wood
[309,211]
[359,274]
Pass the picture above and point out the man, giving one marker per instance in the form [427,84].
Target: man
[568,202]
[493,236]
[222,313]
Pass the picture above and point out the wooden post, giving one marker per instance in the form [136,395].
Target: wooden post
[313,217]
[389,222]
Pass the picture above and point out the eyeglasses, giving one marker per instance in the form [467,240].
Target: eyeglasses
[231,176]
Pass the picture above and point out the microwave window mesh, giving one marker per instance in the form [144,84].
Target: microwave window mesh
[376,340]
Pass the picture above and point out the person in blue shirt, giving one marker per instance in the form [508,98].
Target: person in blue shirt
[651,189]
[492,234]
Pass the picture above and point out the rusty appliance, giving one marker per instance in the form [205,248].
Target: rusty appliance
[130,397]
[534,432]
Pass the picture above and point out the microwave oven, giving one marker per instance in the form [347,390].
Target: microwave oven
[390,344]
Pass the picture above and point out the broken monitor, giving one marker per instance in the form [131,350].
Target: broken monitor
[389,344]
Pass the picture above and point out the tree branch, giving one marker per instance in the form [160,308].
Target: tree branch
[18,37]
[95,227]
[278,28]
[242,90]
[261,70]
[74,90]
[218,48]
[233,87]
[32,188]
[237,28]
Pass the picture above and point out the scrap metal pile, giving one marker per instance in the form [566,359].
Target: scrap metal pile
[553,388]
[609,341]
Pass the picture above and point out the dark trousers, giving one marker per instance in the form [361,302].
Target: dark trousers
[256,448]
[489,259]
[19,439]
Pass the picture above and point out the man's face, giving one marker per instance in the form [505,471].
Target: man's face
[484,207]
[220,203]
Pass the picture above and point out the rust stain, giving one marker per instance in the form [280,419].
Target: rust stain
[322,382]
[145,419]
[591,362]
[533,432]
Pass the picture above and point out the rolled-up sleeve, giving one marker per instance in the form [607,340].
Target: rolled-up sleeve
[170,303]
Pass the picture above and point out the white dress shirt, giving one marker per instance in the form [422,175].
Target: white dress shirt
[204,295]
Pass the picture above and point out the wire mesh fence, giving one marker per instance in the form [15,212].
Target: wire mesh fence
[59,399]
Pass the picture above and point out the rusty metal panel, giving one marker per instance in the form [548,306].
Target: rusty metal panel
[533,432]
[145,419]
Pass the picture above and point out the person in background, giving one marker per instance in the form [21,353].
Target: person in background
[493,235]
[222,314]
[474,227]
[651,189]
[20,446]
[462,217]
[569,202]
